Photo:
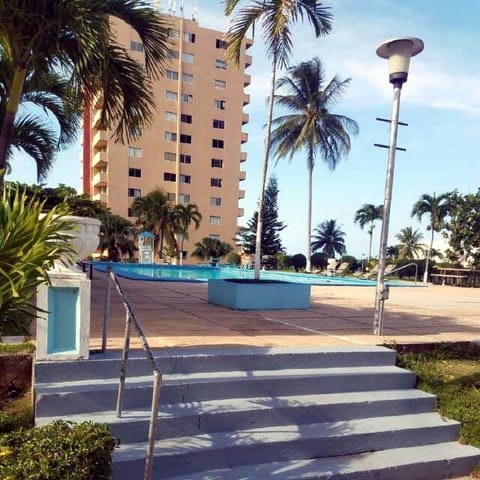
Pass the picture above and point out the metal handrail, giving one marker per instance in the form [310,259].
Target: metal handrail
[405,266]
[157,376]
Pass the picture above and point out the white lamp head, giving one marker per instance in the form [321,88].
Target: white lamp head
[399,51]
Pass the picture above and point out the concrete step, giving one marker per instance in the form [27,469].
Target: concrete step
[195,418]
[443,461]
[185,455]
[70,397]
[105,366]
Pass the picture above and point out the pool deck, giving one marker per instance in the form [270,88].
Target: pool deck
[176,314]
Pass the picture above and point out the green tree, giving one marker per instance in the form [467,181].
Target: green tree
[329,239]
[311,126]
[437,210]
[276,18]
[76,37]
[463,226]
[182,217]
[211,248]
[410,243]
[271,226]
[116,235]
[368,214]
[153,212]
[392,252]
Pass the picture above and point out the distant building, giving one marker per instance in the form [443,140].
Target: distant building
[193,148]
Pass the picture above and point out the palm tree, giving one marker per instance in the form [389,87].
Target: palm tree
[34,132]
[311,126]
[211,248]
[116,233]
[276,18]
[153,215]
[182,217]
[410,243]
[368,213]
[329,239]
[75,37]
[392,252]
[437,210]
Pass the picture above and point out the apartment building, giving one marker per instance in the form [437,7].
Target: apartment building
[193,149]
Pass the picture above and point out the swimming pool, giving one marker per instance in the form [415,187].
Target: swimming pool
[175,273]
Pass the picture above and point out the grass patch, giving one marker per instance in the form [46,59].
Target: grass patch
[16,413]
[25,347]
[452,372]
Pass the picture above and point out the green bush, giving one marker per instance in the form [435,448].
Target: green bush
[58,451]
[17,414]
[299,261]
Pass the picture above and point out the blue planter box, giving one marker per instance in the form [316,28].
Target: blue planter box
[261,295]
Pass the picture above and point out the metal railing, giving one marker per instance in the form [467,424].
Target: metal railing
[405,266]
[130,319]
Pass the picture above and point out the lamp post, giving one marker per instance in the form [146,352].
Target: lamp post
[398,52]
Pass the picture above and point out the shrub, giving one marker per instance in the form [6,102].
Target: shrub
[299,261]
[58,451]
[319,260]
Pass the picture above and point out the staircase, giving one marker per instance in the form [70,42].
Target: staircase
[259,413]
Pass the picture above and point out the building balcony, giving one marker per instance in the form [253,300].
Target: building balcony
[248,43]
[247,79]
[243,157]
[100,179]
[241,212]
[99,159]
[100,139]
[96,118]
[245,118]
[248,60]
[97,101]
[102,197]
[246,99]
[243,175]
[244,137]
[241,194]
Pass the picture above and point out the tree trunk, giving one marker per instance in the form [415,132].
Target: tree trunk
[427,260]
[258,242]
[308,267]
[370,246]
[6,131]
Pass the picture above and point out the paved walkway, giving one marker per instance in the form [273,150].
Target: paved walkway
[177,314]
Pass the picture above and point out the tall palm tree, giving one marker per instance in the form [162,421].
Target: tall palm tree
[52,125]
[153,214]
[75,37]
[437,210]
[329,239]
[311,126]
[211,248]
[182,217]
[368,214]
[276,18]
[410,243]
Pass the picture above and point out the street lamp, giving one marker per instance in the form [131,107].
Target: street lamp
[398,52]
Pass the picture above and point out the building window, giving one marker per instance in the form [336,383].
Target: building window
[135,172]
[214,236]
[219,104]
[130,213]
[134,192]
[188,57]
[220,84]
[218,124]
[217,163]
[187,98]
[185,138]
[215,220]
[103,190]
[170,95]
[187,77]
[184,198]
[216,143]
[170,156]
[219,43]
[172,54]
[215,182]
[169,177]
[173,33]
[186,118]
[170,136]
[135,152]
[171,197]
[221,64]
[170,116]
[136,46]
[215,201]
[189,37]
[134,132]
[185,158]
[185,178]
[172,75]
[184,254]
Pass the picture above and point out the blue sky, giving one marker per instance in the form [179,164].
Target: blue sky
[440,102]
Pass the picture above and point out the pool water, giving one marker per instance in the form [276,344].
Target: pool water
[175,273]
